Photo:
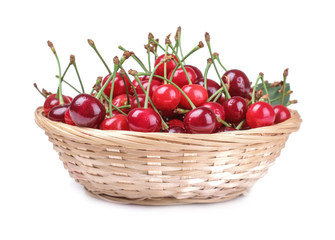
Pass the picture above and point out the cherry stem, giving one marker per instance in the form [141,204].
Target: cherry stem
[81,84]
[116,67]
[105,85]
[209,64]
[92,44]
[220,90]
[59,94]
[149,83]
[132,86]
[157,43]
[62,78]
[35,85]
[218,59]
[278,98]
[182,66]
[284,86]
[165,74]
[265,89]
[238,127]
[69,84]
[179,44]
[135,58]
[254,90]
[223,122]
[149,62]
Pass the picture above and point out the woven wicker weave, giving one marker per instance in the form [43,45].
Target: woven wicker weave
[165,169]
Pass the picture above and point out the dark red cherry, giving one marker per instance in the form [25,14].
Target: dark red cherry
[260,114]
[170,115]
[200,120]
[170,65]
[87,111]
[235,109]
[282,113]
[196,70]
[141,98]
[180,78]
[176,129]
[117,122]
[196,93]
[239,83]
[175,123]
[224,129]
[67,118]
[57,113]
[121,100]
[144,120]
[51,101]
[153,86]
[218,110]
[119,87]
[212,86]
[166,97]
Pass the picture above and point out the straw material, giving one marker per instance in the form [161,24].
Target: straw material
[165,168]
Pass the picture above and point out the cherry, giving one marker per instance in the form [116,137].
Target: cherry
[117,122]
[282,113]
[87,111]
[67,118]
[175,123]
[196,93]
[260,114]
[180,78]
[57,113]
[51,101]
[171,115]
[239,83]
[218,110]
[121,100]
[235,109]
[119,87]
[196,70]
[144,120]
[135,83]
[200,120]
[166,97]
[212,86]
[153,86]
[176,129]
[141,98]
[170,65]
[224,129]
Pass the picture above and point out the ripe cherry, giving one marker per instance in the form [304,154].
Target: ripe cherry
[144,120]
[141,98]
[176,129]
[170,65]
[235,109]
[135,83]
[282,113]
[51,101]
[121,100]
[180,78]
[224,129]
[67,118]
[87,111]
[117,122]
[119,87]
[57,113]
[218,110]
[196,70]
[153,86]
[212,86]
[166,97]
[260,114]
[175,123]
[196,93]
[239,83]
[200,120]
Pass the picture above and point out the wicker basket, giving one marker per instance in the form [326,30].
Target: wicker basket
[165,169]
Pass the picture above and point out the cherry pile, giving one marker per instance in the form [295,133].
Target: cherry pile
[168,95]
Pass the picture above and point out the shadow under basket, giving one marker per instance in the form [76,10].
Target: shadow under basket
[167,168]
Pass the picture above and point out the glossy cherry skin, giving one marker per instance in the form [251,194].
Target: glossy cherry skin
[57,113]
[144,120]
[218,110]
[196,93]
[67,118]
[135,83]
[87,111]
[200,120]
[166,97]
[176,129]
[235,109]
[51,101]
[212,86]
[260,114]
[141,98]
[196,70]
[153,86]
[119,87]
[282,113]
[179,77]
[121,100]
[170,65]
[239,83]
[175,123]
[117,122]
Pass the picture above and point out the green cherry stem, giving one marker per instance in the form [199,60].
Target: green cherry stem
[209,64]
[238,127]
[220,90]
[73,61]
[149,83]
[112,76]
[179,43]
[254,90]
[131,84]
[265,89]
[284,86]
[135,58]
[182,66]
[216,57]
[92,44]
[148,50]
[44,95]
[116,67]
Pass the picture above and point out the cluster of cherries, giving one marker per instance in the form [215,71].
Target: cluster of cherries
[172,97]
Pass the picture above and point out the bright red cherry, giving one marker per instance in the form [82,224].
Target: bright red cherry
[153,86]
[51,101]
[260,114]
[176,129]
[180,78]
[200,120]
[170,65]
[239,83]
[121,100]
[212,86]
[196,70]
[196,93]
[235,109]
[57,113]
[144,120]
[117,122]
[218,110]
[282,113]
[141,98]
[166,97]
[67,118]
[87,111]
[119,87]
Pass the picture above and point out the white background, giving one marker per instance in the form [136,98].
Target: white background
[295,200]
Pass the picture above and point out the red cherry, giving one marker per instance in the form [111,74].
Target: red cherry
[176,129]
[175,123]
[200,120]
[170,65]
[225,129]
[239,83]
[67,118]
[235,109]
[166,97]
[170,115]
[87,111]
[117,122]
[218,110]
[120,101]
[119,87]
[196,70]
[180,78]
[57,113]
[212,86]
[141,98]
[282,113]
[135,83]
[153,86]
[144,120]
[260,114]
[52,101]
[196,93]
